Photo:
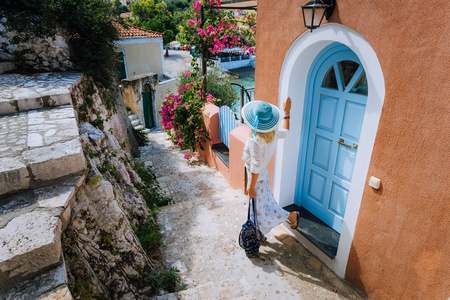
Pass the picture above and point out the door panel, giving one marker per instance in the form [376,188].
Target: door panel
[336,117]
[353,118]
[322,152]
[327,113]
[344,162]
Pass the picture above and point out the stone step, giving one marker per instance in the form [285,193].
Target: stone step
[135,122]
[50,285]
[31,223]
[146,130]
[139,127]
[38,146]
[22,92]
[132,117]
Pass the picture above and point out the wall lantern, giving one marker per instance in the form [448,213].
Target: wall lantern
[314,10]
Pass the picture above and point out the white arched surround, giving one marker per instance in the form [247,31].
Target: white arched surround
[293,83]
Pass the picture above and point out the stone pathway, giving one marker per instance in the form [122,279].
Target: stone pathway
[200,233]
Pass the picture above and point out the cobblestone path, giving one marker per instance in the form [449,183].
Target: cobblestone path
[200,233]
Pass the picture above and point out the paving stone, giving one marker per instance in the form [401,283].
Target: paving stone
[35,140]
[31,242]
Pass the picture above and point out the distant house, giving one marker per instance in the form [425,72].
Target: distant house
[142,65]
[141,51]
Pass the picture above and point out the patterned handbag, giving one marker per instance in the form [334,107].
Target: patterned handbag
[250,237]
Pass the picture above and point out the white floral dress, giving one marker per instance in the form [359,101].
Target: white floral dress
[256,157]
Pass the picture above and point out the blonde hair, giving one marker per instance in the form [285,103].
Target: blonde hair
[264,137]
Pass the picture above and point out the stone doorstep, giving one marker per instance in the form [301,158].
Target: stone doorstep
[25,104]
[135,122]
[49,285]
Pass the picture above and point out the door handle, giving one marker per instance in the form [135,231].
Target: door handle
[341,142]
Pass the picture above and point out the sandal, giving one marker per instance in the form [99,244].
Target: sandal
[295,225]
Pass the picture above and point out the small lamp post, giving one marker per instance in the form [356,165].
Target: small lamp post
[314,10]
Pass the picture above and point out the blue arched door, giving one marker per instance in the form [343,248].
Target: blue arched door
[337,99]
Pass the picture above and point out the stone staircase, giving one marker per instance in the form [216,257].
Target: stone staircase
[42,165]
[137,123]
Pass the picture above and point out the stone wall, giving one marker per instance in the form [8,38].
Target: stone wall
[101,245]
[49,54]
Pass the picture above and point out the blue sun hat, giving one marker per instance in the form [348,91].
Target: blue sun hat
[261,116]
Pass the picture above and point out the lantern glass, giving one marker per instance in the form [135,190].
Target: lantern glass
[318,16]
[313,13]
[308,14]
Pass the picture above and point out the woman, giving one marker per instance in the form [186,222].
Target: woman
[264,118]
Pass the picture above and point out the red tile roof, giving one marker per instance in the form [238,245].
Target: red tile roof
[134,32]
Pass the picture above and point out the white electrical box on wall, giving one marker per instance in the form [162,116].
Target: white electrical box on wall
[374,182]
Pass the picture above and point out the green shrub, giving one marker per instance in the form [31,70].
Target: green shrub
[150,236]
[141,136]
[149,188]
[166,281]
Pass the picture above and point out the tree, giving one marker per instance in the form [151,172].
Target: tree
[87,23]
[118,8]
[178,5]
[153,15]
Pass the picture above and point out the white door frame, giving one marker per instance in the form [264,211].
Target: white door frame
[293,79]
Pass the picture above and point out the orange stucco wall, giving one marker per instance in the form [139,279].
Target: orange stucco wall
[401,243]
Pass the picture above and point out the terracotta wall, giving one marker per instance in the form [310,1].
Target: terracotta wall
[401,243]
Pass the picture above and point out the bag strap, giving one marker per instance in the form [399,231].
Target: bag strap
[248,215]
[254,210]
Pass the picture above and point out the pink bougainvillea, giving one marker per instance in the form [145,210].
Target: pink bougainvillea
[219,30]
[182,116]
